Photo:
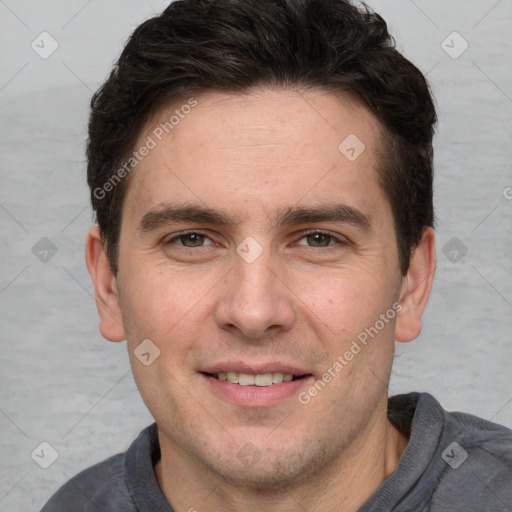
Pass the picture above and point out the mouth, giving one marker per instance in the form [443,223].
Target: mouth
[259,380]
[255,384]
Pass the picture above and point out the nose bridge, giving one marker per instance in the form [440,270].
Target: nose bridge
[253,281]
[255,299]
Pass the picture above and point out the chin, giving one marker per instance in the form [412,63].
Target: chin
[271,470]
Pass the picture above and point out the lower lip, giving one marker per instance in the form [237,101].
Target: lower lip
[255,396]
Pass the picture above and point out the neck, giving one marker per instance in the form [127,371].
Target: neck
[352,478]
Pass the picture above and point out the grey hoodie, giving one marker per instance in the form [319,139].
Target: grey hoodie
[453,462]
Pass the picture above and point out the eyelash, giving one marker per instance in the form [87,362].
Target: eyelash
[338,241]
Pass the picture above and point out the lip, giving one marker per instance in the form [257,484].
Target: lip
[255,396]
[255,369]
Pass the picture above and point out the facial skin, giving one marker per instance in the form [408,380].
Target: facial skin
[254,158]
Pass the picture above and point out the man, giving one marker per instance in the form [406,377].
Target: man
[261,174]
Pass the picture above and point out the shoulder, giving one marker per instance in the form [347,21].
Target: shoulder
[476,461]
[113,483]
[484,450]
[488,442]
[99,487]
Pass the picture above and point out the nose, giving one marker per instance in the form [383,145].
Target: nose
[256,300]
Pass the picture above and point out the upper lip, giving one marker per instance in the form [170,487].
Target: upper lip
[254,368]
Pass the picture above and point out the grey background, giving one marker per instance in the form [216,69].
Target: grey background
[60,382]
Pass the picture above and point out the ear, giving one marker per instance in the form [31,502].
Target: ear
[105,287]
[416,287]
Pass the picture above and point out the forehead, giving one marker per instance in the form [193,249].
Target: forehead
[266,147]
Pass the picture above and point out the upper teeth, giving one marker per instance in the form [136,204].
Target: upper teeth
[262,379]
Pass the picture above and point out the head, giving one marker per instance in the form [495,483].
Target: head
[261,174]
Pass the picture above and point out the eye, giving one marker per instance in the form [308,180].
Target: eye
[319,239]
[190,240]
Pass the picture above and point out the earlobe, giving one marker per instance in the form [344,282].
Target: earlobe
[105,287]
[416,288]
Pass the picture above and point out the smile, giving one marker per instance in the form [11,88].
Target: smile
[255,390]
[261,379]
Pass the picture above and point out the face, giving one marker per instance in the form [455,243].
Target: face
[255,248]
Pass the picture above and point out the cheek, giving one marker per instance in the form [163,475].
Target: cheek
[158,298]
[173,309]
[344,296]
[345,313]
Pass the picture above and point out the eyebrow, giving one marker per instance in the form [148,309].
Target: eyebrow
[200,214]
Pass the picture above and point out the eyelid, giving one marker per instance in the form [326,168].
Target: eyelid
[176,236]
[340,239]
